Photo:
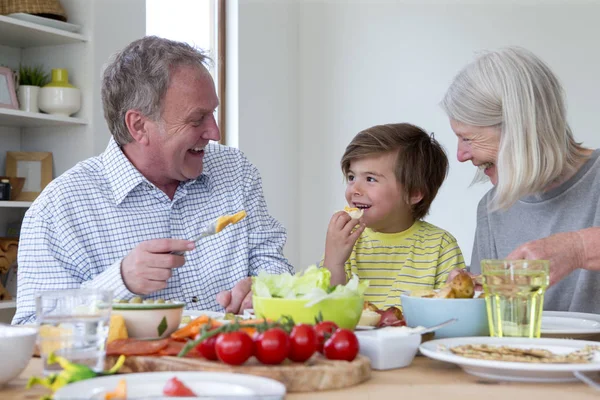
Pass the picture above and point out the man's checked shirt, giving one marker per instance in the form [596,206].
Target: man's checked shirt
[87,220]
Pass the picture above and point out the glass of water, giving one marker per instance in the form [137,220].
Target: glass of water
[514,295]
[74,324]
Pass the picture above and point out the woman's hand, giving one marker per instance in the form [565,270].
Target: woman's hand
[339,243]
[565,251]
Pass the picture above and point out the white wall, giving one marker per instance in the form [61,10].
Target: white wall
[361,64]
[267,106]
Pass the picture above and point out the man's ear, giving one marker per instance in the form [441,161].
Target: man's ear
[415,198]
[137,124]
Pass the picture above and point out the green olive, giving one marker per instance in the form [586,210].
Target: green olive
[148,301]
[160,301]
[136,300]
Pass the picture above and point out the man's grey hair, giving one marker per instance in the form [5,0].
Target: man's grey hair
[138,76]
[514,90]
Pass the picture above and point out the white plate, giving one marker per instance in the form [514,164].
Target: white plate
[570,325]
[513,371]
[217,385]
[52,23]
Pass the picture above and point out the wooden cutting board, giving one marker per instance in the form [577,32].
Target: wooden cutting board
[318,373]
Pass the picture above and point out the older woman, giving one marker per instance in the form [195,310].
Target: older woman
[508,111]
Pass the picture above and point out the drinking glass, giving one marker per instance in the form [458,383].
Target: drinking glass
[74,324]
[514,296]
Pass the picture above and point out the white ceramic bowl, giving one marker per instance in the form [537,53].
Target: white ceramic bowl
[61,101]
[388,350]
[150,321]
[16,347]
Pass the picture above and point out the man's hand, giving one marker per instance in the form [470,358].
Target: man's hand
[149,265]
[339,244]
[565,251]
[237,299]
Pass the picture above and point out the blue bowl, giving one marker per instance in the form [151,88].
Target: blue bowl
[470,313]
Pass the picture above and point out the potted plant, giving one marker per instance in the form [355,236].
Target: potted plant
[31,79]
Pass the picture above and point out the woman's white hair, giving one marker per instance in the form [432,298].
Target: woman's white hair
[513,89]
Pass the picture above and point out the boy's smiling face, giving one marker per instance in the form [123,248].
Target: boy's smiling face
[372,186]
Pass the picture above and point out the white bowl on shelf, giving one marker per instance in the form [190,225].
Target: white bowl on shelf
[16,346]
[63,101]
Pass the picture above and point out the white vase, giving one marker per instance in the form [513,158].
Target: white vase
[62,101]
[28,98]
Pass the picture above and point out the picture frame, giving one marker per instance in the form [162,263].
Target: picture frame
[35,167]
[8,94]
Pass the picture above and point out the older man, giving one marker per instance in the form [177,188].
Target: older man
[116,220]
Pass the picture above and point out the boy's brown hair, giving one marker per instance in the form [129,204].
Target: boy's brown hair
[421,164]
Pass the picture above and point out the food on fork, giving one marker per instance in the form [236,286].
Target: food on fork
[226,220]
[353,212]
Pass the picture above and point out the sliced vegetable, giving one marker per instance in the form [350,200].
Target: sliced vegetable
[120,392]
[175,388]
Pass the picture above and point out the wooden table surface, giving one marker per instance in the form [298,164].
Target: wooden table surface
[424,379]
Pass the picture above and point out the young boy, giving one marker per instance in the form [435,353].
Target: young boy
[393,173]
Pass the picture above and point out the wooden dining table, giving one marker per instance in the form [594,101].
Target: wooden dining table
[423,379]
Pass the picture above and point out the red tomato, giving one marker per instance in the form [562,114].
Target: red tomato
[272,346]
[303,342]
[323,330]
[342,345]
[207,348]
[234,348]
[175,388]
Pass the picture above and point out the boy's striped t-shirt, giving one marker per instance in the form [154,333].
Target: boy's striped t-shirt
[419,258]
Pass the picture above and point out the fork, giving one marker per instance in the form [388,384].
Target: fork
[217,226]
[587,380]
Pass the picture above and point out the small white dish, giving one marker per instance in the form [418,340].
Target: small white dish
[513,371]
[16,346]
[51,23]
[150,320]
[217,385]
[390,347]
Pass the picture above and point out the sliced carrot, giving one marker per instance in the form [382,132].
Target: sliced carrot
[120,392]
[194,327]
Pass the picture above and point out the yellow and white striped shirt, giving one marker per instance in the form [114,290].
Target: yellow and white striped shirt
[418,258]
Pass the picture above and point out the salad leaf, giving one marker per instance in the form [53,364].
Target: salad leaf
[313,284]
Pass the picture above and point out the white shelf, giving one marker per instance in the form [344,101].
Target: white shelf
[23,119]
[15,204]
[21,34]
[5,304]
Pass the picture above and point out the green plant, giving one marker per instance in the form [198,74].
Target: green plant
[33,76]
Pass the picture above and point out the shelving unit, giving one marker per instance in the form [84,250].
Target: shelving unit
[28,43]
[15,204]
[4,304]
[22,34]
[23,119]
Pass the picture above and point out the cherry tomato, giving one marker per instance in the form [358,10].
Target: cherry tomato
[342,345]
[207,348]
[272,346]
[234,348]
[303,342]
[323,330]
[175,388]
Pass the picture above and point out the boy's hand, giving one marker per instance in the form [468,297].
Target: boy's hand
[341,239]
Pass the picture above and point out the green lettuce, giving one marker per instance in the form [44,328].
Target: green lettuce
[313,284]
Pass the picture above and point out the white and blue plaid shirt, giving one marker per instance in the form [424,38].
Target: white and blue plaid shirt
[79,229]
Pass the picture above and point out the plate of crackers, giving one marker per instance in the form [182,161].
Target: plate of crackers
[517,359]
